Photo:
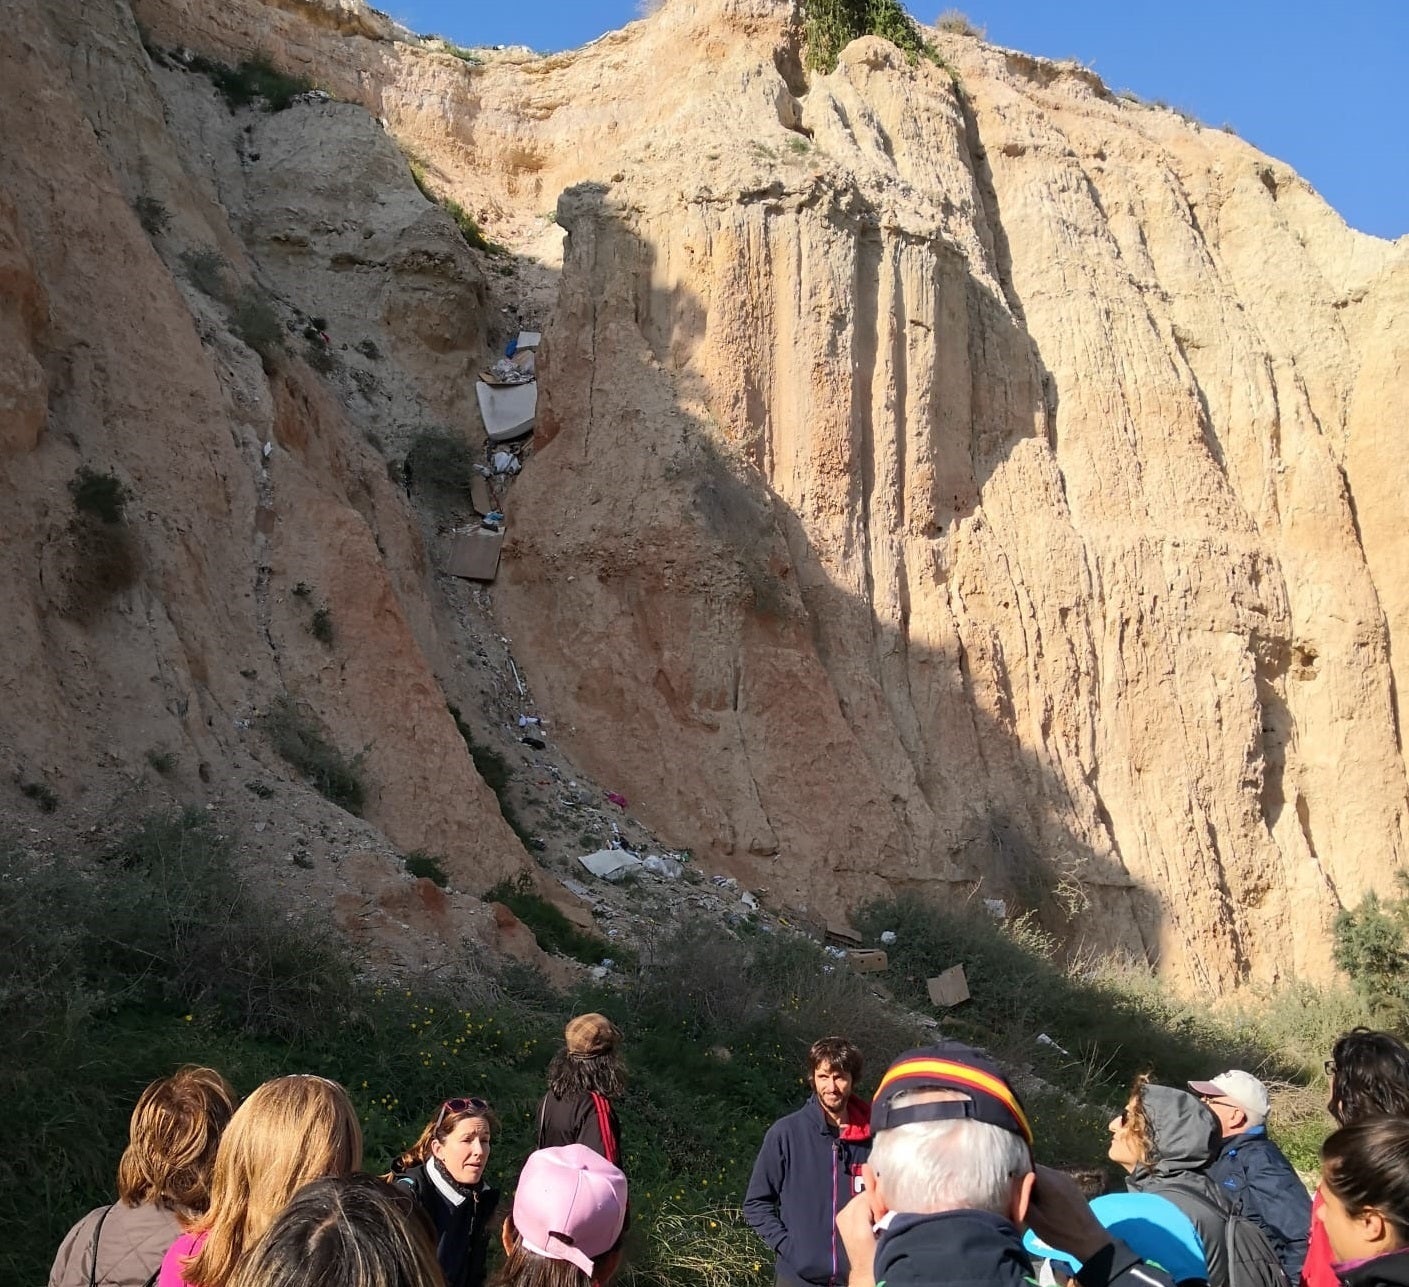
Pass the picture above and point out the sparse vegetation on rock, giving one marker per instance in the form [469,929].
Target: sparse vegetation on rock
[296,736]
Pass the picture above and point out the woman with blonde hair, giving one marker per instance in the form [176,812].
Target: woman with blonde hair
[444,1169]
[290,1131]
[163,1183]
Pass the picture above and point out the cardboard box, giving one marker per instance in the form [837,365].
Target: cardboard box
[949,988]
[474,555]
[867,960]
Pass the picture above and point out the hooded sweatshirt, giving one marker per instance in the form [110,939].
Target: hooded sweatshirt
[1186,1139]
[806,1172]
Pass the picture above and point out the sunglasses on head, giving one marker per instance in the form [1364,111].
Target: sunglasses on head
[469,1104]
[1330,1067]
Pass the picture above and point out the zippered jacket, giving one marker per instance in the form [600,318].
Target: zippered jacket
[462,1231]
[805,1173]
[1262,1185]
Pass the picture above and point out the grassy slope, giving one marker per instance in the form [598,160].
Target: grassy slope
[119,971]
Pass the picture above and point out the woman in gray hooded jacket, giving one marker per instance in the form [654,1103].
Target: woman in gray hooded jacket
[1165,1138]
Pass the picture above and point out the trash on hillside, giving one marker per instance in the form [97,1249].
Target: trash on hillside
[843,934]
[480,495]
[1044,1040]
[666,868]
[749,901]
[610,864]
[529,721]
[836,953]
[506,372]
[537,743]
[528,340]
[949,988]
[575,887]
[996,908]
[507,412]
[505,462]
[867,960]
[724,882]
[598,973]
[268,450]
[616,798]
[887,937]
[474,554]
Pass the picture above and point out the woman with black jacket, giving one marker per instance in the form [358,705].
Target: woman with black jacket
[445,1169]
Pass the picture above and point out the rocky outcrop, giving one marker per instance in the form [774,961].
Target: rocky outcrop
[942,481]
[160,259]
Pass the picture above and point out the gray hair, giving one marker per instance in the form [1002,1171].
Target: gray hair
[953,1165]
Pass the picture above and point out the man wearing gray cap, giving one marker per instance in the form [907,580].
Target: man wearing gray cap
[1252,1171]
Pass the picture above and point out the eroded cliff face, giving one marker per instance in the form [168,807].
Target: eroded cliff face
[934,486]
[253,498]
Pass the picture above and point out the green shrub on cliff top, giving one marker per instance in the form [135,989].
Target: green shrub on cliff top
[830,25]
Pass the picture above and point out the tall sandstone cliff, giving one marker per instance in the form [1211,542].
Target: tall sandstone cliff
[941,480]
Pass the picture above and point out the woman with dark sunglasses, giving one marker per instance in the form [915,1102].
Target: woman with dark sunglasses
[445,1169]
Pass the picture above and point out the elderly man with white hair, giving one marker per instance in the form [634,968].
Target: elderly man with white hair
[1251,1171]
[951,1183]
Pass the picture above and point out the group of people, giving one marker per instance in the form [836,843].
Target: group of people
[933,1181]
[268,1192]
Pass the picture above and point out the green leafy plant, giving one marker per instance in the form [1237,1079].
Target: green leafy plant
[420,863]
[1371,945]
[42,794]
[438,466]
[254,319]
[296,737]
[99,494]
[553,930]
[830,25]
[205,269]
[154,217]
[957,22]
[321,625]
[162,760]
[253,80]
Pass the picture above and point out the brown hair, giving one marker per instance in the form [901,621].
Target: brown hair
[834,1052]
[1371,1077]
[353,1231]
[525,1268]
[420,1151]
[175,1128]
[1366,1164]
[290,1131]
[1137,1122]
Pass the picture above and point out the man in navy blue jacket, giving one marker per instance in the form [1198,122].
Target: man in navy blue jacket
[808,1169]
[1252,1171]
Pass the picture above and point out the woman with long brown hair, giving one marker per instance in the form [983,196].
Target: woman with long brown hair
[584,1077]
[290,1131]
[445,1169]
[163,1183]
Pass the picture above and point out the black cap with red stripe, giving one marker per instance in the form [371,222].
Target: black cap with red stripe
[949,1065]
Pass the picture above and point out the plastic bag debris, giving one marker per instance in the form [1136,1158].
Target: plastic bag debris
[505,462]
[1044,1040]
[667,868]
[996,908]
[610,864]
[749,901]
[616,798]
[887,937]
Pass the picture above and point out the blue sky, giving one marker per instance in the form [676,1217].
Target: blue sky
[1323,86]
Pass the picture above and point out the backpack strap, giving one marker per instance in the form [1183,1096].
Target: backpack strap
[604,1124]
[93,1247]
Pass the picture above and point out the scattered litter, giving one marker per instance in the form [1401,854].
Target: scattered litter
[505,462]
[598,972]
[312,96]
[505,373]
[749,901]
[843,933]
[494,520]
[507,412]
[836,953]
[1044,1040]
[528,340]
[667,868]
[575,887]
[949,988]
[268,450]
[616,798]
[529,721]
[474,555]
[537,743]
[242,723]
[610,864]
[480,496]
[724,882]
[517,679]
[867,960]
[996,908]
[887,937]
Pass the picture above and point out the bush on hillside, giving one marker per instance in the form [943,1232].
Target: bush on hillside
[439,466]
[295,735]
[830,25]
[254,80]
[1372,947]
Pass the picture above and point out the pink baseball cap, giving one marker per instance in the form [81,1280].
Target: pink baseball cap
[570,1204]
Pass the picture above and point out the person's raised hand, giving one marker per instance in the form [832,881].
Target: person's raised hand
[1060,1215]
